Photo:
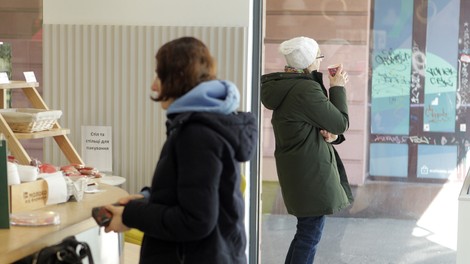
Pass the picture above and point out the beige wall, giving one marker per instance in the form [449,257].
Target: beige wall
[99,65]
[341,27]
[148,12]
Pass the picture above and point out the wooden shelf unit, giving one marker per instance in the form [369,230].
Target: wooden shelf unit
[58,133]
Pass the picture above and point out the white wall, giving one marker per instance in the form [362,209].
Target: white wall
[106,26]
[148,12]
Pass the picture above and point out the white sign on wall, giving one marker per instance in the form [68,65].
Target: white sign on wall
[97,147]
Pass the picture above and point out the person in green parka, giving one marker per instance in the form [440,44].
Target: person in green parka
[307,120]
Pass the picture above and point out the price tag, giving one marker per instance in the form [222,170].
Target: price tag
[29,76]
[4,77]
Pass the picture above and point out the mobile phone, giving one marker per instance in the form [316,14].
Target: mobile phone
[101,215]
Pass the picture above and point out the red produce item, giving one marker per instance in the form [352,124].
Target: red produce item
[47,168]
[68,167]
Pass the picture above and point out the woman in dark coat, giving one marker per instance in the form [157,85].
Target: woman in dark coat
[194,210]
[306,122]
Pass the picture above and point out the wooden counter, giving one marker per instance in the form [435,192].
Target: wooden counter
[75,217]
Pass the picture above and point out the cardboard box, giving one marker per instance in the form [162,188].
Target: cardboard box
[28,196]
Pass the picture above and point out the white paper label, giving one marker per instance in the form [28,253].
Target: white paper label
[29,76]
[97,147]
[4,77]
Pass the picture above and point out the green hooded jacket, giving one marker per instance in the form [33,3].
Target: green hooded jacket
[311,175]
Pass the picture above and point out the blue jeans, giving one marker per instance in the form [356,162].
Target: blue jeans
[304,245]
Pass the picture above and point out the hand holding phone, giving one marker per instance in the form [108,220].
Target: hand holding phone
[101,215]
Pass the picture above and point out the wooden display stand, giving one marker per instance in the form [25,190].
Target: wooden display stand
[59,134]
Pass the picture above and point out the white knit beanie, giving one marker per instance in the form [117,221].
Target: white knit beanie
[300,52]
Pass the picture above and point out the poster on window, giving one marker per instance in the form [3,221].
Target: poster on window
[419,94]
[391,67]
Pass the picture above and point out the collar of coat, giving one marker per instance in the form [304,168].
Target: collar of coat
[314,76]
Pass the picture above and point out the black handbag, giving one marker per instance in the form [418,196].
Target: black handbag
[68,251]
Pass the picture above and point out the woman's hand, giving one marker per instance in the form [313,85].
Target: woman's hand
[340,78]
[116,224]
[116,211]
[328,136]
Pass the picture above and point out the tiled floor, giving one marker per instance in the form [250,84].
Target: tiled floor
[432,239]
[361,241]
[389,223]
[352,240]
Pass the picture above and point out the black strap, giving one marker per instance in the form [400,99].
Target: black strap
[68,251]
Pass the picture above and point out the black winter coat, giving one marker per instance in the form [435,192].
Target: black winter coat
[195,213]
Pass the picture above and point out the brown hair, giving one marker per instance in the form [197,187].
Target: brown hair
[182,64]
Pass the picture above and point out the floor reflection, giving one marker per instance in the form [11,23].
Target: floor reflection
[356,240]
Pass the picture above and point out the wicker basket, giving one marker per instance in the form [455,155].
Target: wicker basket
[28,120]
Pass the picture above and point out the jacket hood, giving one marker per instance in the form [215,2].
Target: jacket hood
[217,96]
[276,86]
[239,129]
